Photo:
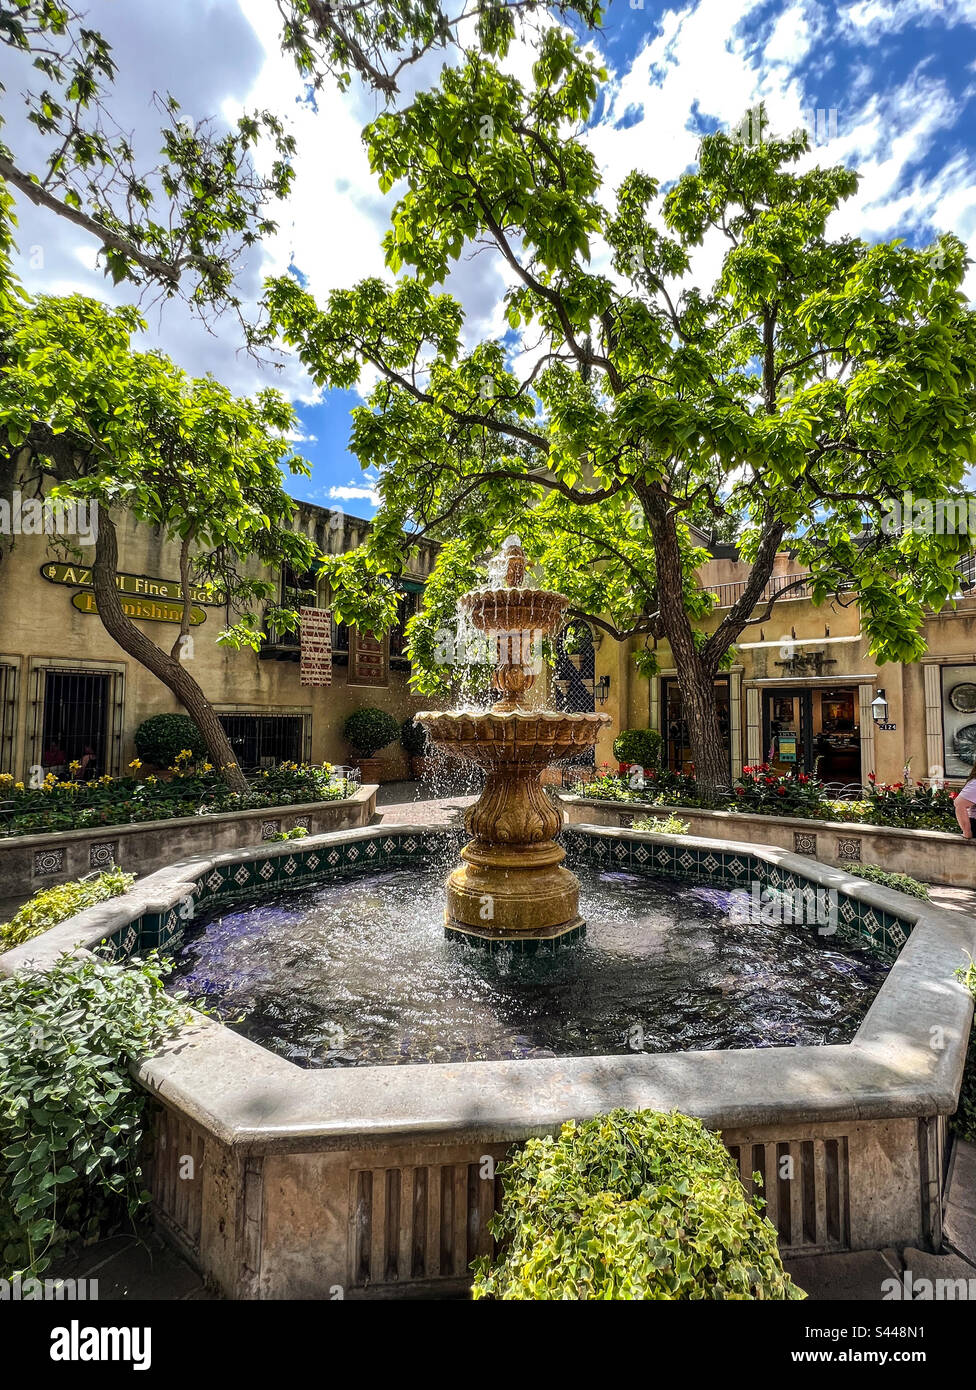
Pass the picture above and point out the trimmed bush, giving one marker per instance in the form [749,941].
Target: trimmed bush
[162,737]
[53,905]
[414,739]
[902,883]
[630,1205]
[638,747]
[369,729]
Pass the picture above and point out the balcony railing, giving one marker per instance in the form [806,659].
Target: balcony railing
[728,594]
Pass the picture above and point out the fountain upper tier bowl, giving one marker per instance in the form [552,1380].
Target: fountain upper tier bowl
[515,610]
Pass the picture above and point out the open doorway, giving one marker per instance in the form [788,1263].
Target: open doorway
[814,730]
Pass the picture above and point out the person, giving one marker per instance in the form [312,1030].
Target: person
[965,805]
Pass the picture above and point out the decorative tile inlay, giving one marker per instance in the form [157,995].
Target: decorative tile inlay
[641,854]
[129,940]
[804,842]
[849,849]
[101,856]
[48,861]
[242,875]
[214,881]
[313,861]
[290,866]
[304,823]
[266,870]
[389,846]
[270,828]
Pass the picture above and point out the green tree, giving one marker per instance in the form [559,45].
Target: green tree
[181,221]
[84,416]
[814,379]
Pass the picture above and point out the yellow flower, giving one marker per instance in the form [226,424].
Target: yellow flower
[208,767]
[136,762]
[18,786]
[75,766]
[151,779]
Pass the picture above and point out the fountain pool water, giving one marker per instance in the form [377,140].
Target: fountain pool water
[356,973]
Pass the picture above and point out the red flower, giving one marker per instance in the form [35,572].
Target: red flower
[780,791]
[740,791]
[770,781]
[871,777]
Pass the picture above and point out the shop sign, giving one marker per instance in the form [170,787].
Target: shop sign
[315,667]
[786,748]
[140,585]
[144,610]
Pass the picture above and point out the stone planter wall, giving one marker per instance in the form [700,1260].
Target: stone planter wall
[30,862]
[930,855]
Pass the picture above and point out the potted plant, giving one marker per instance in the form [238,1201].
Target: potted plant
[637,748]
[368,730]
[414,739]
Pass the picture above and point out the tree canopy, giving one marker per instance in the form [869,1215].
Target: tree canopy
[628,408]
[85,416]
[180,219]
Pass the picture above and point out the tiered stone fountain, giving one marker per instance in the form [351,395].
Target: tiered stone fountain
[512,885]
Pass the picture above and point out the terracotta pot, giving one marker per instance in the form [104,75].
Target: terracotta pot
[421,767]
[376,770]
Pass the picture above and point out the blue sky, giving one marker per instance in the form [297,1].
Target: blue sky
[895,79]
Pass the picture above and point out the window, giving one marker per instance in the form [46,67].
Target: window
[407,605]
[263,740]
[75,721]
[8,710]
[674,728]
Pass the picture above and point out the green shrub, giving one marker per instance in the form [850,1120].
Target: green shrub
[903,883]
[413,736]
[297,832]
[665,825]
[53,905]
[963,1122]
[630,1205]
[638,747]
[162,737]
[369,729]
[71,1117]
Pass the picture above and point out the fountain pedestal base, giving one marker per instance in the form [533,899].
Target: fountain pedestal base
[513,894]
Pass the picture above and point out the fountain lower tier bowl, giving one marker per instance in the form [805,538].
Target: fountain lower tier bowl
[511,885]
[513,739]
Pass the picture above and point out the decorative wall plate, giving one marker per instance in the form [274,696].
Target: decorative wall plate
[964,742]
[963,697]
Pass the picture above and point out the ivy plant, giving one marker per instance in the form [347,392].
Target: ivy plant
[71,1116]
[630,1205]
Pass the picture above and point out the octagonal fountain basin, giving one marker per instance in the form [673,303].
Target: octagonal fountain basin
[328,1153]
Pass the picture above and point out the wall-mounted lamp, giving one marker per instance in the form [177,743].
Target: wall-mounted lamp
[601,689]
[879,708]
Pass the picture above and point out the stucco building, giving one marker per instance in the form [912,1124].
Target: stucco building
[802,688]
[66,686]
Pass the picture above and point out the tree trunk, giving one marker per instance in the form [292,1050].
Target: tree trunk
[696,674]
[165,667]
